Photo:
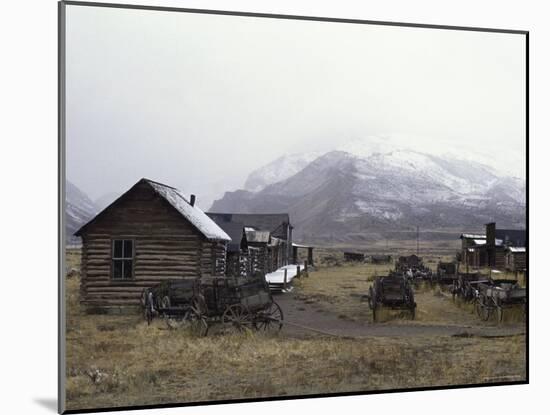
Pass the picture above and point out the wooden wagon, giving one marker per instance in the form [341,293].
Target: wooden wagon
[495,296]
[392,292]
[465,286]
[238,303]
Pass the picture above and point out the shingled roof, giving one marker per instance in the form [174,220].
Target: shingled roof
[205,225]
[235,230]
[261,221]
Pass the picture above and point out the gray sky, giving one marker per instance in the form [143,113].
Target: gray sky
[199,101]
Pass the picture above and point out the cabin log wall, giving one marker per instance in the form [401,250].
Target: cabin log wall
[166,246]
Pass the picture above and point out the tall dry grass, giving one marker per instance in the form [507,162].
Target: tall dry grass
[120,361]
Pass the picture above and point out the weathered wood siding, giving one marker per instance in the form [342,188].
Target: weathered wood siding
[238,264]
[515,261]
[166,246]
[263,257]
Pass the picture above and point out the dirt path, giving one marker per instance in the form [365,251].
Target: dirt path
[303,319]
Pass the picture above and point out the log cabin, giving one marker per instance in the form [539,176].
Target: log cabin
[515,259]
[270,233]
[238,252]
[149,234]
[489,250]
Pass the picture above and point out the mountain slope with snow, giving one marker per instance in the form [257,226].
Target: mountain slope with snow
[280,169]
[341,196]
[79,209]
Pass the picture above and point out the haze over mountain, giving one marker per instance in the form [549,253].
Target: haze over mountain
[376,187]
[79,209]
[364,189]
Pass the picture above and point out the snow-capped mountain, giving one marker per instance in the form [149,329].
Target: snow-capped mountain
[380,187]
[79,209]
[280,169]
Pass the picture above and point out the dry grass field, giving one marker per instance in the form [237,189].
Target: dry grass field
[341,289]
[120,360]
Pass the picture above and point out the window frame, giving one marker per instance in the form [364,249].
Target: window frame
[123,258]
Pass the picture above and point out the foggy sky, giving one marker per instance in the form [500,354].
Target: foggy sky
[199,101]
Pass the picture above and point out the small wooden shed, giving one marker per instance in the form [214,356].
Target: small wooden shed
[515,258]
[354,256]
[149,234]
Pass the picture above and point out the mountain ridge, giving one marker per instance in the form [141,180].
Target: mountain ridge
[340,194]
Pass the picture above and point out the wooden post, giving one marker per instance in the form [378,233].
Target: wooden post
[305,268]
[310,255]
[284,281]
[298,271]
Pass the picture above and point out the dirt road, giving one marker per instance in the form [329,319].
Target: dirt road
[305,320]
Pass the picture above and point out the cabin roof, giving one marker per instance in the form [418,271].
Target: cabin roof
[516,249]
[301,245]
[235,230]
[258,236]
[177,200]
[472,236]
[260,221]
[517,237]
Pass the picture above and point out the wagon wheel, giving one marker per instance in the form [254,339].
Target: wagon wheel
[198,304]
[237,317]
[270,318]
[198,324]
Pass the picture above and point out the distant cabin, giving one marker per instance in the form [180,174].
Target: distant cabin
[240,256]
[149,234]
[354,256]
[490,250]
[269,233]
[380,259]
[515,259]
[410,261]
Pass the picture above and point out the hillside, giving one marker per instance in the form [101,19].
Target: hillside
[346,197]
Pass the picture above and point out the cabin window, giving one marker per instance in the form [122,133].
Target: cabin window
[123,259]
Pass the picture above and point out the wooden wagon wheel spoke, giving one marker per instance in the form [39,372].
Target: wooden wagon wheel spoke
[198,323]
[271,318]
[237,317]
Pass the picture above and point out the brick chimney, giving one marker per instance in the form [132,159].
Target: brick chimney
[192,202]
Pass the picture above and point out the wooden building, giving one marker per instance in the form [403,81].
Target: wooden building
[149,234]
[380,259]
[469,243]
[489,250]
[277,224]
[354,256]
[238,255]
[260,241]
[270,234]
[515,259]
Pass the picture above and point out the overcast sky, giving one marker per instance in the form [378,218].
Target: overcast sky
[199,101]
